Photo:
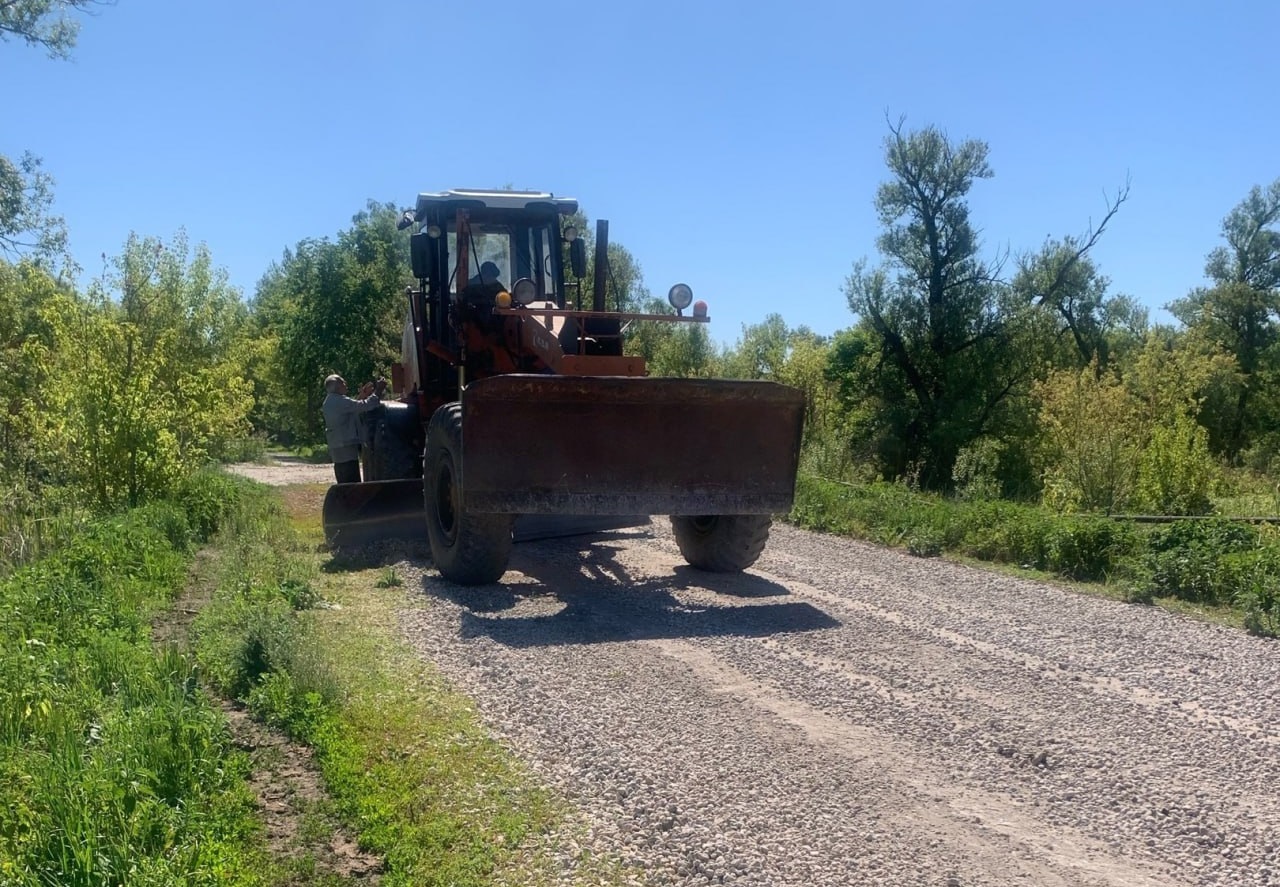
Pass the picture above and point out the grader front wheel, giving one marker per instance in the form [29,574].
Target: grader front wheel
[721,543]
[468,548]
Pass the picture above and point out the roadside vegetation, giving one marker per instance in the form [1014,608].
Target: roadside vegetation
[1219,567]
[115,765]
[116,762]
[1012,416]
[409,769]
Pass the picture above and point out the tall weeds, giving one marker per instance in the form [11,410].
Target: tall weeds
[114,768]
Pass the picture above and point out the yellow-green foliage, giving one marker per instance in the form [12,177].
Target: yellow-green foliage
[115,395]
[1112,444]
[1092,435]
[1176,473]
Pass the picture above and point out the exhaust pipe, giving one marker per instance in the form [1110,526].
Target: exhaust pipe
[602,264]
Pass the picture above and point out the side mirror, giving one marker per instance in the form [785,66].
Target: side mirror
[578,257]
[422,256]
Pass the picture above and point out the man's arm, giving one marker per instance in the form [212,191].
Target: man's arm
[346,405]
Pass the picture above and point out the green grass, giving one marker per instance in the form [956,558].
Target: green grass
[1248,495]
[408,766]
[114,766]
[33,526]
[1215,568]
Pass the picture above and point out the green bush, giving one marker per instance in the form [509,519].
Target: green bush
[1089,548]
[1211,561]
[1004,532]
[207,497]
[1189,559]
[1176,472]
[1255,578]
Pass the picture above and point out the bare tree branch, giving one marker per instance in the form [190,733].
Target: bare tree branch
[1090,237]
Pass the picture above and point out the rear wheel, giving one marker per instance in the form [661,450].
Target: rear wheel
[395,451]
[468,548]
[721,543]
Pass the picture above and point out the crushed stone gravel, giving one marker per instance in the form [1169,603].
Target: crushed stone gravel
[843,714]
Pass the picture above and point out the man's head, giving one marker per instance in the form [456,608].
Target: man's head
[488,272]
[335,384]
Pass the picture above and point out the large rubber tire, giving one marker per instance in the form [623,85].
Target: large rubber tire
[394,455]
[721,543]
[468,548]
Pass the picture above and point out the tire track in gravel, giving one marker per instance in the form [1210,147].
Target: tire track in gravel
[846,715]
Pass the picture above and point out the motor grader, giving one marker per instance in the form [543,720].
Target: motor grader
[520,416]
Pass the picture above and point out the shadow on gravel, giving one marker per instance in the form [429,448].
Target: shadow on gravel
[379,554]
[601,602]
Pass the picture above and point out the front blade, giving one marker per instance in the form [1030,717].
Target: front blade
[615,445]
[358,514]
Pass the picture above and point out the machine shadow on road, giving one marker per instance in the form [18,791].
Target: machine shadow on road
[596,600]
[378,554]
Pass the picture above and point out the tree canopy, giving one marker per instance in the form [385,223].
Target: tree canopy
[1239,315]
[45,23]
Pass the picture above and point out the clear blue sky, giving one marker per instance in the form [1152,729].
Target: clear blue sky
[733,146]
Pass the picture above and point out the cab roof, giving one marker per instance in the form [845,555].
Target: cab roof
[469,198]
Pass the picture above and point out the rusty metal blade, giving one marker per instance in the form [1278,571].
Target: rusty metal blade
[611,445]
[533,527]
[357,514]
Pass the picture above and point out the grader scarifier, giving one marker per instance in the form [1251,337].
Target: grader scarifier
[521,417]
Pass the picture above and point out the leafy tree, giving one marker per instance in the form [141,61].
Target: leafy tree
[805,369]
[1062,279]
[853,371]
[1111,444]
[761,352]
[939,315]
[624,288]
[44,23]
[28,228]
[154,344]
[956,346]
[682,350]
[112,397]
[1090,442]
[329,306]
[1175,471]
[1240,315]
[28,358]
[1252,232]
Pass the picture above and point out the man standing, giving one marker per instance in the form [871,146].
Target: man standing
[342,423]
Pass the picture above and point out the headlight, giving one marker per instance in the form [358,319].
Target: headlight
[524,290]
[680,296]
[570,234]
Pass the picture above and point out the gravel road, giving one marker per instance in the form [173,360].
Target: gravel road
[846,715]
